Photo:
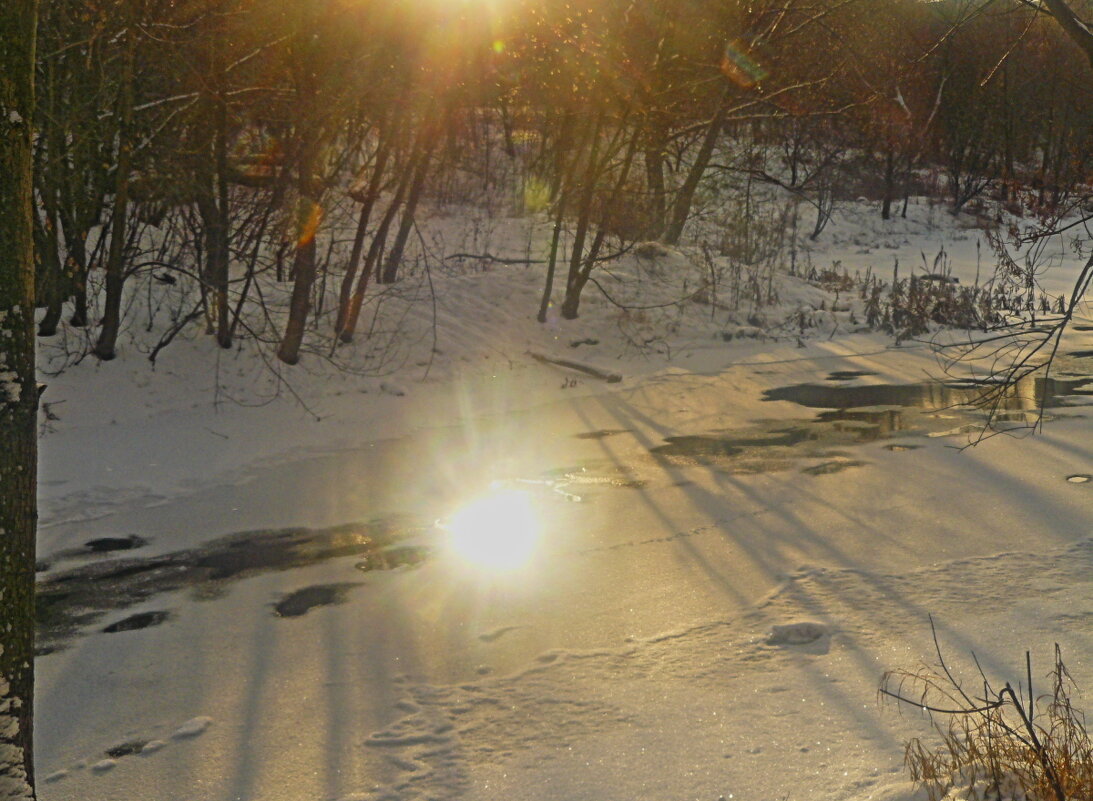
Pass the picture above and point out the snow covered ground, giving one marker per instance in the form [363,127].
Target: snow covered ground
[720,582]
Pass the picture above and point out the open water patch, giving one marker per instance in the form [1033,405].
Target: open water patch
[304,600]
[603,433]
[833,466]
[857,414]
[848,375]
[1030,393]
[92,549]
[108,544]
[128,748]
[141,620]
[72,600]
[393,558]
[771,447]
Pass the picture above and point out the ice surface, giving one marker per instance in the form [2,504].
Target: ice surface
[690,632]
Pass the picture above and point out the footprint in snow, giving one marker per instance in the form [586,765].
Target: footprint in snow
[803,632]
[192,728]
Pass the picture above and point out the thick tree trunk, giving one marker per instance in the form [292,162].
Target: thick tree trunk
[18,400]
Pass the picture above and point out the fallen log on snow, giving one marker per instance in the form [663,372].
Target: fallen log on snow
[610,378]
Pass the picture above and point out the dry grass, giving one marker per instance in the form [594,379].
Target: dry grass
[997,743]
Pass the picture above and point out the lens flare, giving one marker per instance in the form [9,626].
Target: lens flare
[497,532]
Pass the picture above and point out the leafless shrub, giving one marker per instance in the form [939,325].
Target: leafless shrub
[998,743]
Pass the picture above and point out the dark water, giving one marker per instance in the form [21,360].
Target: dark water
[126,749]
[601,434]
[1029,393]
[142,620]
[75,598]
[107,544]
[848,375]
[304,600]
[849,416]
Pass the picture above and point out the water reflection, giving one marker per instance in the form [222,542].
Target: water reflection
[1030,393]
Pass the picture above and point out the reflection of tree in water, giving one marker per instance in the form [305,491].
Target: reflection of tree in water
[1030,392]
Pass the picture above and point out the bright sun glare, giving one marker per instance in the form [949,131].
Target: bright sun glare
[498,531]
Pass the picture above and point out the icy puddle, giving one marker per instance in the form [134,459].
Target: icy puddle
[78,597]
[857,414]
[573,483]
[782,446]
[304,600]
[1028,395]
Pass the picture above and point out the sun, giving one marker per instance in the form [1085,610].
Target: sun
[497,532]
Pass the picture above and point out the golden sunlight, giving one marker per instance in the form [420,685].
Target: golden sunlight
[498,531]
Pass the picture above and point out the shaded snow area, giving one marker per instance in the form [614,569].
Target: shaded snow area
[254,586]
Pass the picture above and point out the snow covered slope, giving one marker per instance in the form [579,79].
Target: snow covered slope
[721,581]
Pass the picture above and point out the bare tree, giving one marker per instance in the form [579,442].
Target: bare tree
[1080,32]
[18,400]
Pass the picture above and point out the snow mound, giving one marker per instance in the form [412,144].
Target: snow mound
[800,633]
[192,727]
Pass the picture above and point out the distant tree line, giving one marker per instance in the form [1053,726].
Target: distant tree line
[208,143]
[232,128]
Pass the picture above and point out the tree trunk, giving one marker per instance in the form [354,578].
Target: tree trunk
[654,180]
[375,184]
[213,204]
[1079,32]
[76,273]
[309,215]
[577,280]
[584,218]
[49,290]
[564,182]
[889,183]
[304,271]
[406,224]
[18,400]
[681,209]
[375,251]
[219,251]
[115,260]
[552,261]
